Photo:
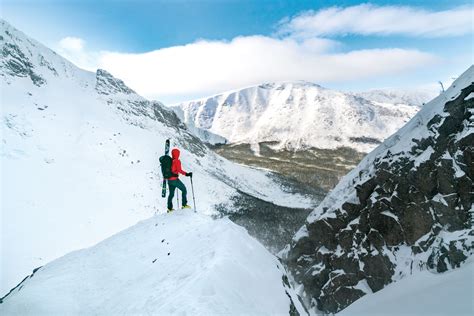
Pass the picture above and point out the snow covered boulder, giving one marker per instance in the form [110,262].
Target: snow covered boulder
[180,263]
[406,207]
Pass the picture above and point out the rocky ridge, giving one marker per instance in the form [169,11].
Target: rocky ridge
[406,207]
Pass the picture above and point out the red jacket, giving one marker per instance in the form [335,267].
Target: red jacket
[176,164]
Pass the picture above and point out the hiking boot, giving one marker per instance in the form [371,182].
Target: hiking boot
[186,206]
[170,210]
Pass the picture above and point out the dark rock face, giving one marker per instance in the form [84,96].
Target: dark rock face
[415,204]
[108,84]
[15,62]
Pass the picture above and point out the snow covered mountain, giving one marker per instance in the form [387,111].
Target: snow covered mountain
[297,115]
[407,207]
[80,155]
[174,264]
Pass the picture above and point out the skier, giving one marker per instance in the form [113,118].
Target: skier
[174,182]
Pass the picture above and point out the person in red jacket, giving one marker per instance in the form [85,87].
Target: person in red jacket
[174,182]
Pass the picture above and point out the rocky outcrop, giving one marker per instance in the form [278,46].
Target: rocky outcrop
[15,62]
[134,107]
[406,207]
[108,84]
[23,57]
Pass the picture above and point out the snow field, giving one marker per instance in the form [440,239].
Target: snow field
[422,294]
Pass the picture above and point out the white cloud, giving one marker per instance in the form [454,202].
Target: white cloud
[72,43]
[213,65]
[206,67]
[74,49]
[368,19]
[299,53]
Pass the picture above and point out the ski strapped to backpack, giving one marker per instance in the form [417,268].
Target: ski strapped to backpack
[165,162]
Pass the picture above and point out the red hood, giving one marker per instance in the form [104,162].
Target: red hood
[175,153]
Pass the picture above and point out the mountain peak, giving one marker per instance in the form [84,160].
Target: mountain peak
[24,57]
[17,60]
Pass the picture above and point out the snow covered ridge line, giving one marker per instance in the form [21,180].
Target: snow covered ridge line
[213,268]
[406,207]
[300,115]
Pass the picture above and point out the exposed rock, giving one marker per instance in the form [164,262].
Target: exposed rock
[108,84]
[15,63]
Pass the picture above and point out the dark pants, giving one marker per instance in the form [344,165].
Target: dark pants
[173,185]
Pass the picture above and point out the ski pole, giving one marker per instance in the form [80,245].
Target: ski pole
[194,200]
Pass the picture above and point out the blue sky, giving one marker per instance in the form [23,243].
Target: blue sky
[143,25]
[140,27]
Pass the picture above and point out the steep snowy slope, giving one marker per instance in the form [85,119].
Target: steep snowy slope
[79,158]
[296,115]
[175,264]
[426,293]
[406,207]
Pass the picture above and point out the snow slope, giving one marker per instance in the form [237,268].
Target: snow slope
[180,263]
[79,158]
[426,293]
[297,115]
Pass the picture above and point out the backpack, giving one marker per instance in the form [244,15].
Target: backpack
[165,162]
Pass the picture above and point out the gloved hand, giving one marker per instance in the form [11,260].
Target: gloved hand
[189,174]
